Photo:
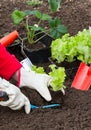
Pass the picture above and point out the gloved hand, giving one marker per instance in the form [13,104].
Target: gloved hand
[39,82]
[16,98]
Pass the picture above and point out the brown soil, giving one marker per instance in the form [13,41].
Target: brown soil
[75,110]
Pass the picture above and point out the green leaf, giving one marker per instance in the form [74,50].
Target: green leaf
[54,22]
[54,33]
[62,29]
[56,28]
[17,16]
[34,2]
[29,12]
[84,53]
[38,14]
[38,69]
[58,77]
[41,16]
[45,17]
[54,5]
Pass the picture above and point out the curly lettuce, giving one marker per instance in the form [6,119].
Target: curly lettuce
[69,48]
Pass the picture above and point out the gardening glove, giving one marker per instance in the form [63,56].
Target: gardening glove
[16,98]
[39,82]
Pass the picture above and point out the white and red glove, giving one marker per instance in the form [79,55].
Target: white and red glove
[16,98]
[33,80]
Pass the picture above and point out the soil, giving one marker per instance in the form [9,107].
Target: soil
[75,110]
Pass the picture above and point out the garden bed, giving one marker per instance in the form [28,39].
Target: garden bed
[75,110]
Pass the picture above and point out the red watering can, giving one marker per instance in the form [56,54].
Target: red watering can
[82,80]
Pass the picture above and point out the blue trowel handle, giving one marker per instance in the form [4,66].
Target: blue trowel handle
[46,106]
[51,105]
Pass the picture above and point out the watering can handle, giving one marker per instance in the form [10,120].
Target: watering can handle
[8,39]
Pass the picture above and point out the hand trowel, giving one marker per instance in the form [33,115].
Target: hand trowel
[82,79]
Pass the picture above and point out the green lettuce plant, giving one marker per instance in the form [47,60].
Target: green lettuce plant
[70,48]
[58,77]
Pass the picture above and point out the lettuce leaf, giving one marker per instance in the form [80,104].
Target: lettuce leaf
[38,69]
[58,77]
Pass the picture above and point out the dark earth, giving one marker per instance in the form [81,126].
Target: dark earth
[75,110]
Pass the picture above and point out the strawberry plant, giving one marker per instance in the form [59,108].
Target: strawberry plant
[55,28]
[22,17]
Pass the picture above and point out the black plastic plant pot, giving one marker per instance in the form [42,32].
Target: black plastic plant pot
[71,69]
[35,56]
[38,56]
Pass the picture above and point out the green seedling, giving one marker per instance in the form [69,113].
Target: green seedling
[54,5]
[34,2]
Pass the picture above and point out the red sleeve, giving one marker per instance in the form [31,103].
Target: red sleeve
[8,63]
